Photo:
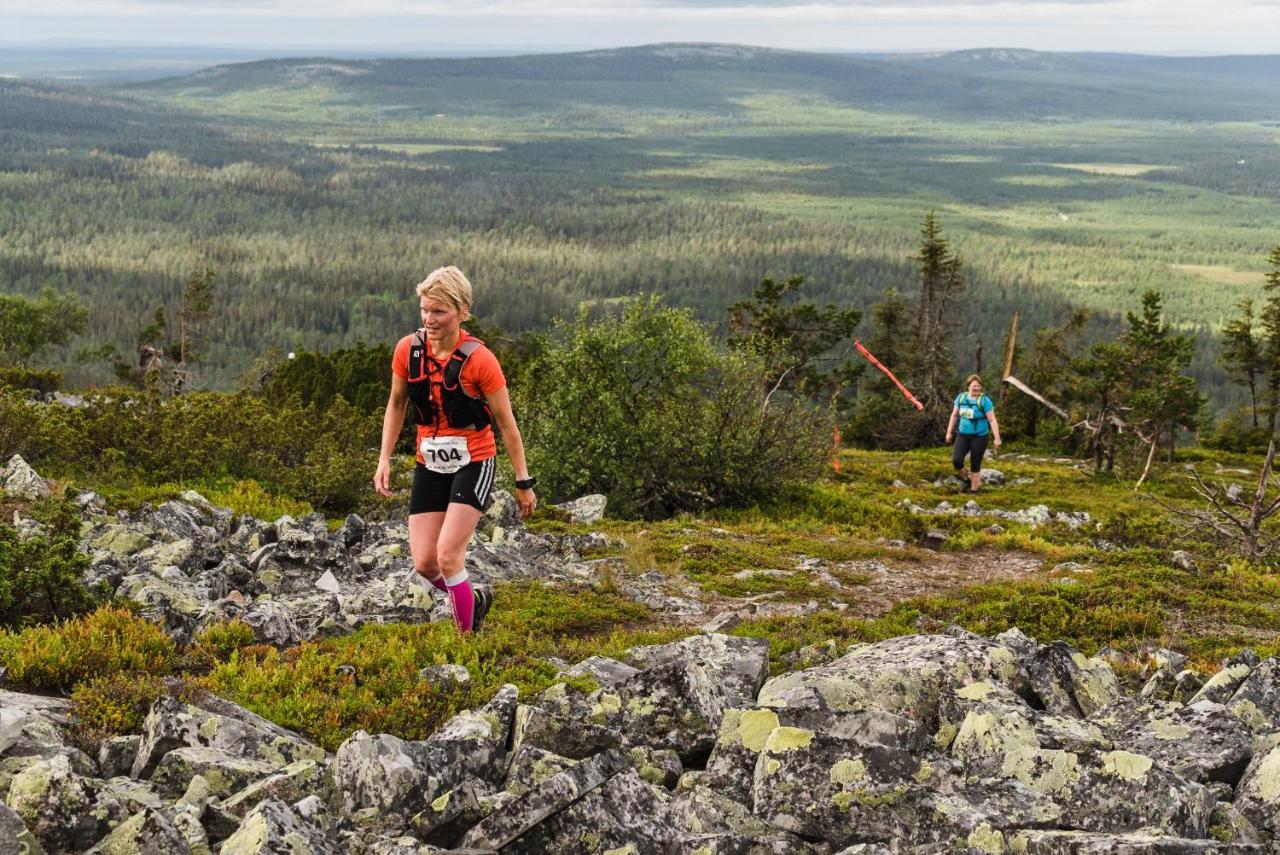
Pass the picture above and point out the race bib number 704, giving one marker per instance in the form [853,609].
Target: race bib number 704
[445,454]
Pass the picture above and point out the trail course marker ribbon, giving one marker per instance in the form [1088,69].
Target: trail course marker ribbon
[912,398]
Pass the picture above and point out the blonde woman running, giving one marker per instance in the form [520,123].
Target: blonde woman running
[458,391]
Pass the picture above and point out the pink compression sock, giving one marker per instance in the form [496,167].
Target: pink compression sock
[464,601]
[437,581]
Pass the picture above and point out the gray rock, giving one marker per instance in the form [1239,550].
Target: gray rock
[64,810]
[1183,561]
[148,832]
[584,509]
[445,677]
[549,797]
[231,772]
[14,836]
[739,664]
[1202,742]
[603,670]
[994,477]
[572,738]
[116,754]
[1223,685]
[906,676]
[1038,842]
[20,481]
[1068,683]
[448,817]
[290,784]
[172,724]
[1257,700]
[1258,793]
[530,766]
[623,815]
[273,827]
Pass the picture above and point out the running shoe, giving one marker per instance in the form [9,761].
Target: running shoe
[484,599]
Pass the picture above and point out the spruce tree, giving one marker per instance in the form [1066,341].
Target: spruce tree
[1242,353]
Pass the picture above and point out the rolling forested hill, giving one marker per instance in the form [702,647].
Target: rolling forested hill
[321,189]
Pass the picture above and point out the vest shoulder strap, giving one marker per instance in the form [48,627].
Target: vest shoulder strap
[457,361]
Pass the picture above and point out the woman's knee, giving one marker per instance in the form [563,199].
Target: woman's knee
[449,559]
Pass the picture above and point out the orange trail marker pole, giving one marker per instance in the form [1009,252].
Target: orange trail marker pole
[912,398]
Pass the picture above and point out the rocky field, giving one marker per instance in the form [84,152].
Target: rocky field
[711,741]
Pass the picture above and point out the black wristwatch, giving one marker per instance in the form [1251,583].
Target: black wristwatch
[525,483]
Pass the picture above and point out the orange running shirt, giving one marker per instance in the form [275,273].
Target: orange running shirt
[481,375]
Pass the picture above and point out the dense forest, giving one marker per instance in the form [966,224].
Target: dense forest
[318,191]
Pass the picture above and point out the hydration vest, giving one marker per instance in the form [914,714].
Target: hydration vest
[461,410]
[981,413]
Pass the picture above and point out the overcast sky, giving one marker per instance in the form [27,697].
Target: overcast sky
[1140,26]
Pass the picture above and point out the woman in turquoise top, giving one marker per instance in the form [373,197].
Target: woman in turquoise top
[976,417]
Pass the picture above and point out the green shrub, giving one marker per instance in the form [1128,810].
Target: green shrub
[645,408]
[113,704]
[304,687]
[40,574]
[104,642]
[361,375]
[38,380]
[32,429]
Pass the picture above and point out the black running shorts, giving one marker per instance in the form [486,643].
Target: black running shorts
[471,485]
[972,444]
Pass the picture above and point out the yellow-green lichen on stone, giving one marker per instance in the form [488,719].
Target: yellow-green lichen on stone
[984,838]
[1266,780]
[754,727]
[945,736]
[607,705]
[1004,662]
[975,691]
[1248,712]
[1166,729]
[441,803]
[846,771]
[1019,843]
[1126,765]
[783,739]
[249,839]
[1048,771]
[629,849]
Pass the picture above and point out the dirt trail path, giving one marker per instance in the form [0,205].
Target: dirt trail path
[894,581]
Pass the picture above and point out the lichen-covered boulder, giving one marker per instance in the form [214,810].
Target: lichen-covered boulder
[738,664]
[1069,683]
[832,789]
[550,797]
[274,827]
[1116,791]
[584,509]
[905,676]
[1258,793]
[773,843]
[571,738]
[448,817]
[1223,685]
[1039,842]
[65,811]
[290,784]
[530,766]
[660,767]
[172,724]
[740,740]
[148,832]
[474,743]
[226,773]
[1202,742]
[624,816]
[674,705]
[603,670]
[18,480]
[115,755]
[387,774]
[14,836]
[1257,701]
[704,810]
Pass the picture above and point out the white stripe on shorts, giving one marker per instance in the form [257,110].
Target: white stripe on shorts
[486,480]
